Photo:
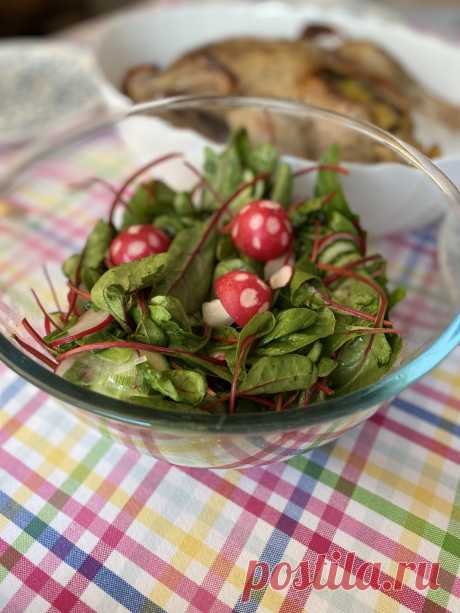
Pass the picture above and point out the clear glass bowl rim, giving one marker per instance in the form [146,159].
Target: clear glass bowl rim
[136,415]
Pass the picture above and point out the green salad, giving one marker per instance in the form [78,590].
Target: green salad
[235,296]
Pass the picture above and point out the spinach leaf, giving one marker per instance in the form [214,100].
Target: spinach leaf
[225,248]
[260,157]
[358,366]
[172,223]
[257,327]
[396,296]
[283,182]
[149,200]
[224,173]
[168,314]
[70,267]
[290,320]
[234,264]
[111,291]
[326,366]
[94,253]
[180,385]
[271,375]
[189,268]
[322,327]
[147,331]
[183,204]
[300,214]
[215,369]
[328,182]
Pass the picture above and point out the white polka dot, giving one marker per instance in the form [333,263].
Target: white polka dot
[117,247]
[256,221]
[273,225]
[262,284]
[136,248]
[248,298]
[134,229]
[274,206]
[256,243]
[264,307]
[241,277]
[153,240]
[235,230]
[284,239]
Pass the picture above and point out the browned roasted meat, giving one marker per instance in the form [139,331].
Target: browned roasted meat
[355,78]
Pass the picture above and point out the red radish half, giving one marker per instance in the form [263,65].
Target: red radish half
[89,323]
[137,242]
[262,230]
[278,272]
[243,295]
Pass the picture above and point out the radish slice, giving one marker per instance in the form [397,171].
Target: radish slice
[64,366]
[89,323]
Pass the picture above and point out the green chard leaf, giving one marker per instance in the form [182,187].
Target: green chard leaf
[289,321]
[260,157]
[148,201]
[70,267]
[322,327]
[92,260]
[147,331]
[224,172]
[112,292]
[180,385]
[328,182]
[168,314]
[271,375]
[283,182]
[188,272]
[363,361]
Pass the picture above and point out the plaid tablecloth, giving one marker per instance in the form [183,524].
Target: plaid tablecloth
[88,525]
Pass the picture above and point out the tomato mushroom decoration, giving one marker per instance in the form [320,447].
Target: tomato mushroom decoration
[240,296]
[137,242]
[262,230]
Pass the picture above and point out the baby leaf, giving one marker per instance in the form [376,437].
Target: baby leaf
[328,182]
[271,375]
[283,182]
[180,385]
[168,314]
[233,264]
[322,327]
[326,366]
[94,253]
[358,366]
[224,173]
[70,267]
[149,200]
[147,331]
[189,268]
[290,320]
[260,157]
[111,291]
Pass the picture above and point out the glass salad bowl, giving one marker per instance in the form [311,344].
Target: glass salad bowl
[53,200]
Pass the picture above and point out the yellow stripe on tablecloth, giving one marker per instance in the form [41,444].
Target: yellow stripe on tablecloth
[418,492]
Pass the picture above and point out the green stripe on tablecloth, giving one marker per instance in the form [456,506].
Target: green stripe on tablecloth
[49,511]
[449,542]
[448,560]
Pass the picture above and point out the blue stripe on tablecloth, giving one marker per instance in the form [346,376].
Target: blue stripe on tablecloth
[428,416]
[87,565]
